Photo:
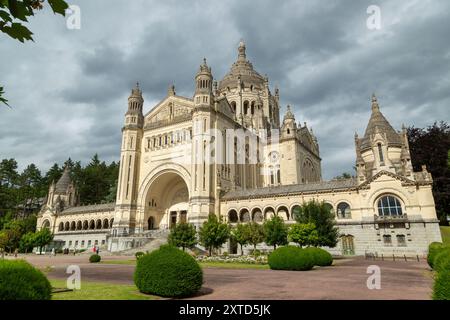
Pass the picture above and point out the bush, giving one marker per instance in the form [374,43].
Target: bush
[94,258]
[433,249]
[139,254]
[322,258]
[441,261]
[168,272]
[21,281]
[441,288]
[291,258]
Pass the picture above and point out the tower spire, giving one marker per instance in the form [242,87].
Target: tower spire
[375,106]
[241,51]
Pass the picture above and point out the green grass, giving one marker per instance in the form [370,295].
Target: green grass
[445,232]
[99,291]
[131,262]
[230,265]
[223,265]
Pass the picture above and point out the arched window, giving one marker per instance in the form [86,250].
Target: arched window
[233,216]
[329,207]
[343,211]
[67,226]
[380,153]
[72,226]
[46,224]
[389,206]
[61,227]
[105,224]
[79,225]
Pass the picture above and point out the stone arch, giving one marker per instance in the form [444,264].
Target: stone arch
[61,226]
[384,191]
[295,210]
[98,224]
[343,210]
[92,225]
[233,216]
[283,212]
[67,226]
[72,226]
[153,175]
[244,215]
[85,225]
[79,225]
[46,224]
[257,215]
[268,212]
[105,224]
[111,222]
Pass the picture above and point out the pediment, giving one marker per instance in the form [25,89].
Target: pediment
[382,175]
[172,107]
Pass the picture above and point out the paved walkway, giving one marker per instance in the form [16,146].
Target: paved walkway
[346,280]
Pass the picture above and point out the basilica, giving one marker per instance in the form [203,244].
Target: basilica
[226,151]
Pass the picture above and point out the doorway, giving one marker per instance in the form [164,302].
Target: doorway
[348,246]
[151,223]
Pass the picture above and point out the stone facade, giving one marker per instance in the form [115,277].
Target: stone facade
[225,151]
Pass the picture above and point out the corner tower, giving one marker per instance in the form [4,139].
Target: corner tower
[127,189]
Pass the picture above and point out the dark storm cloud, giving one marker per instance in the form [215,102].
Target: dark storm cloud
[70,88]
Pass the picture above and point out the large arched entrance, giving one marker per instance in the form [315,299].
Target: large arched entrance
[166,202]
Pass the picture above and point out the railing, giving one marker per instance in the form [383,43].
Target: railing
[390,219]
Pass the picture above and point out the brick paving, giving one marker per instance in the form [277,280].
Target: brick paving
[346,280]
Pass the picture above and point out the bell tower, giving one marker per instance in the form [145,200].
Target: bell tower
[127,189]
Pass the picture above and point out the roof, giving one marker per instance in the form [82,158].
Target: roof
[378,123]
[242,69]
[291,189]
[63,182]
[90,208]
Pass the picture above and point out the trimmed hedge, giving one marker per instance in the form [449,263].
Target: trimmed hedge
[291,258]
[19,280]
[95,258]
[433,249]
[441,261]
[139,254]
[168,272]
[322,258]
[441,288]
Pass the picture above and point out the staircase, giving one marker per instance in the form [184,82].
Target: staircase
[150,240]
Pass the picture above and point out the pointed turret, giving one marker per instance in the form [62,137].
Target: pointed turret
[379,124]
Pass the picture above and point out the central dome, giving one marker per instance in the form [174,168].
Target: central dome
[244,69]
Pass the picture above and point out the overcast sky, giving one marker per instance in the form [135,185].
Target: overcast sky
[68,90]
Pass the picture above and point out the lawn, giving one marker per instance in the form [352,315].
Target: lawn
[224,265]
[445,232]
[99,291]
[231,265]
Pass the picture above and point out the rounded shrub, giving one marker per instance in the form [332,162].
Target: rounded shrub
[168,272]
[139,254]
[322,258]
[441,288]
[19,280]
[94,258]
[433,249]
[441,261]
[291,258]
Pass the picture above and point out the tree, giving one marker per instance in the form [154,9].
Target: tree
[304,234]
[430,147]
[320,214]
[3,242]
[42,238]
[183,235]
[213,233]
[13,14]
[27,242]
[241,234]
[256,234]
[276,232]
[343,176]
